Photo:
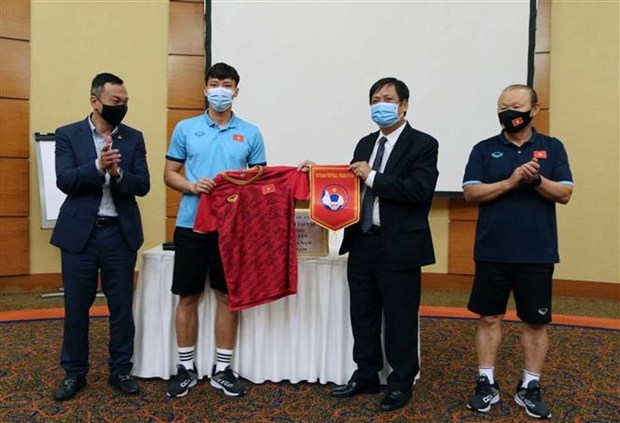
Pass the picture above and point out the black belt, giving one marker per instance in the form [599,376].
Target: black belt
[102,221]
[374,230]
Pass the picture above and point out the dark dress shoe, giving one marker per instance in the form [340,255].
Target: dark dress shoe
[124,384]
[69,387]
[394,400]
[353,388]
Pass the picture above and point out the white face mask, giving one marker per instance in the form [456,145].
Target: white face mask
[220,98]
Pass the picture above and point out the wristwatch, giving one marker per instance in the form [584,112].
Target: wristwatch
[535,182]
[119,174]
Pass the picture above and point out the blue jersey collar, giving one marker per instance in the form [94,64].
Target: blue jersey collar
[232,123]
[506,141]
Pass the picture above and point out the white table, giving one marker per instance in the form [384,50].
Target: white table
[302,337]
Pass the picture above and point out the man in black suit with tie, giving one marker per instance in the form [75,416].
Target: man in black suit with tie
[101,166]
[389,245]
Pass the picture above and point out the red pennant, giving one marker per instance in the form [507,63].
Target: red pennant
[334,196]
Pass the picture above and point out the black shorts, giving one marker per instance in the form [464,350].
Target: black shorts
[195,255]
[530,284]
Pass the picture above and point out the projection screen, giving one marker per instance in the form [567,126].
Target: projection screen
[306,68]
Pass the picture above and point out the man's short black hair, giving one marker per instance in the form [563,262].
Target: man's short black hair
[222,71]
[399,86]
[96,87]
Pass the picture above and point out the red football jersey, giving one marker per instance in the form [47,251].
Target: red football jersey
[253,211]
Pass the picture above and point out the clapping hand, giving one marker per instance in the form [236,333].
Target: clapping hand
[110,158]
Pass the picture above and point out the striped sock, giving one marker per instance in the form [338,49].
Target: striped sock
[223,359]
[186,357]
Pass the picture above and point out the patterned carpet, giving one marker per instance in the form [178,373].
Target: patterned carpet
[580,382]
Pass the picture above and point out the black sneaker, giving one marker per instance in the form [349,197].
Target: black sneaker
[228,382]
[484,396]
[530,398]
[185,379]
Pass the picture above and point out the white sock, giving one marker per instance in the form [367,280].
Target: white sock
[186,357]
[223,359]
[488,372]
[528,377]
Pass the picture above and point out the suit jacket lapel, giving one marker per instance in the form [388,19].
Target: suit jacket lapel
[118,139]
[85,140]
[402,144]
[368,146]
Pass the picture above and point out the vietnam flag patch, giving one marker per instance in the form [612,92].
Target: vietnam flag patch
[238,137]
[269,188]
[540,154]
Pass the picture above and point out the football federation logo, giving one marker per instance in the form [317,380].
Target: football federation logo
[334,197]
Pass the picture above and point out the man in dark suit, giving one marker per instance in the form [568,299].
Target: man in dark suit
[389,245]
[101,166]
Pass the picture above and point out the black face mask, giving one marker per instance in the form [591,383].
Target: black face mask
[513,120]
[113,114]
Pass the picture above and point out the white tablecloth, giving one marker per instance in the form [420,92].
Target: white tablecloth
[302,337]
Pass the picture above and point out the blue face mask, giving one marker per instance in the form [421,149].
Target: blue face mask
[220,98]
[384,114]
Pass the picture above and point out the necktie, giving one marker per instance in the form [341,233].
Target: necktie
[369,197]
